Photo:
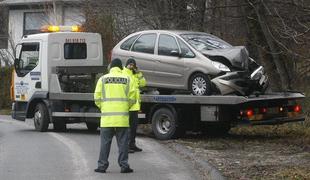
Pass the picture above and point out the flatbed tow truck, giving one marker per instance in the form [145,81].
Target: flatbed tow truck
[55,75]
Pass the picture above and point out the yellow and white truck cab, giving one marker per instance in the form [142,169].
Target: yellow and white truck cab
[56,61]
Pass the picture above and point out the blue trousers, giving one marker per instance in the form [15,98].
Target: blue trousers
[122,137]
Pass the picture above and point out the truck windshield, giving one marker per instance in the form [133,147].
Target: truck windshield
[28,59]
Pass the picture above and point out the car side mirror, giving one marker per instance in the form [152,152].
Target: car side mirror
[175,53]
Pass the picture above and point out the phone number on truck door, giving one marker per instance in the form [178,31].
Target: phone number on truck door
[75,40]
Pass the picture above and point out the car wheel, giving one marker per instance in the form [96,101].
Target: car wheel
[199,84]
[41,118]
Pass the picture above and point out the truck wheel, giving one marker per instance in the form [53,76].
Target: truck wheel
[92,126]
[41,118]
[199,84]
[164,124]
[59,125]
[93,123]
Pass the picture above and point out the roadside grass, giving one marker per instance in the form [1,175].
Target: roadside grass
[293,173]
[5,111]
[296,133]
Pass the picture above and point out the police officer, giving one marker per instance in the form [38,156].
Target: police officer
[114,95]
[139,81]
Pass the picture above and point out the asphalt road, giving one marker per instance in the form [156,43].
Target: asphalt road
[27,154]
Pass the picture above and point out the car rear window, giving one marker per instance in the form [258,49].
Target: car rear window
[127,44]
[145,44]
[75,50]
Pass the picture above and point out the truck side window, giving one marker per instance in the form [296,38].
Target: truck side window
[28,59]
[75,50]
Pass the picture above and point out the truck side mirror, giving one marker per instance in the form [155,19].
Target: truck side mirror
[17,50]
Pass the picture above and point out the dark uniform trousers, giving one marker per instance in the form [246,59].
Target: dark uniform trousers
[107,134]
[133,121]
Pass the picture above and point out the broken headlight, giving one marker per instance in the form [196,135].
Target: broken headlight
[220,66]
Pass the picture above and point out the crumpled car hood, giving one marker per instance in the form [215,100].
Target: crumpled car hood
[238,56]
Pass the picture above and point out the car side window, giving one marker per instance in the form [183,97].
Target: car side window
[166,45]
[185,50]
[127,44]
[145,44]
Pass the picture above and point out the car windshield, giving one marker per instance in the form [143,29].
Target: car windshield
[205,41]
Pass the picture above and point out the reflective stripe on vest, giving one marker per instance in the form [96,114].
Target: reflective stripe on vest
[113,99]
[115,114]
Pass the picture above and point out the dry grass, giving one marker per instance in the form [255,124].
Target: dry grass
[293,173]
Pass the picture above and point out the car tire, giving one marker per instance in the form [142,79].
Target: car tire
[41,117]
[199,84]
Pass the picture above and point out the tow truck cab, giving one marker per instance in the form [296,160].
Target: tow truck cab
[49,62]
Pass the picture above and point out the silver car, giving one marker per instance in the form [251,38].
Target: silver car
[198,62]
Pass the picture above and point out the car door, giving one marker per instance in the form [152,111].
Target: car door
[169,66]
[143,52]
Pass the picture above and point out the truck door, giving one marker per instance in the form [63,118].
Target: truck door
[28,71]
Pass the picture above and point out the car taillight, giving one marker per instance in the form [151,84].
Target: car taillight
[297,108]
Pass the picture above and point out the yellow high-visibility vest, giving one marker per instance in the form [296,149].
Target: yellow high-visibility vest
[139,81]
[114,95]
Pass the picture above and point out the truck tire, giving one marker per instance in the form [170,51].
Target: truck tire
[93,123]
[41,118]
[199,84]
[164,124]
[59,125]
[92,126]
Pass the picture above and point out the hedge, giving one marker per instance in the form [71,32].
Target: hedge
[5,83]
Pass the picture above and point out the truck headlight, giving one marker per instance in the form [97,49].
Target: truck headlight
[220,66]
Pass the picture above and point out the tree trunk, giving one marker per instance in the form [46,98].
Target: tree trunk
[260,13]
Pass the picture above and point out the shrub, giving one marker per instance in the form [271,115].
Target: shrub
[5,83]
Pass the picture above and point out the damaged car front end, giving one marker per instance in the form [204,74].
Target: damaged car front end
[239,74]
